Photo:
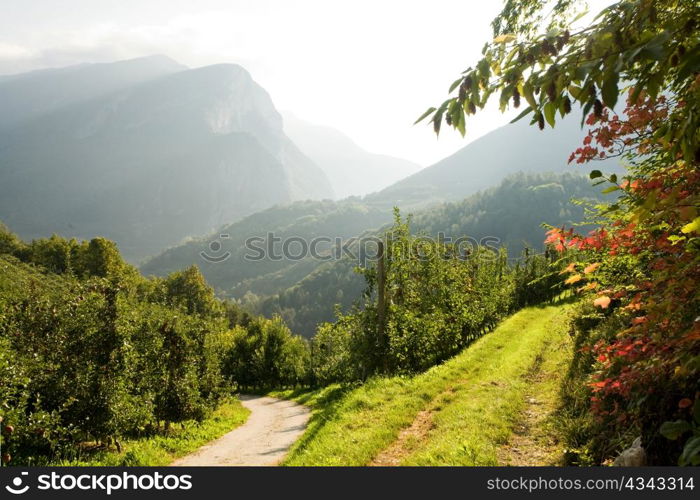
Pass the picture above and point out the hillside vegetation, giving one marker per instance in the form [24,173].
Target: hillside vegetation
[633,72]
[95,358]
[95,352]
[461,412]
[305,292]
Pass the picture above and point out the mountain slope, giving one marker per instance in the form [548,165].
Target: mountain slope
[153,163]
[27,95]
[517,147]
[351,170]
[509,215]
[228,258]
[305,291]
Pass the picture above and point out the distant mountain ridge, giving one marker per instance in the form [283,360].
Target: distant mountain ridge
[515,147]
[351,170]
[27,95]
[167,153]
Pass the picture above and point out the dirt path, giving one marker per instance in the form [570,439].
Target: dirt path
[265,438]
[535,440]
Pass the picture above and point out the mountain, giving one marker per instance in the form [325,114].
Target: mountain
[228,258]
[27,95]
[516,147]
[151,163]
[351,170]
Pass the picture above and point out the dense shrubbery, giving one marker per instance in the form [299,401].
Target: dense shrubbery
[640,271]
[267,355]
[92,351]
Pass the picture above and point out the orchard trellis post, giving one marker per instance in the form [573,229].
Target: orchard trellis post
[381,298]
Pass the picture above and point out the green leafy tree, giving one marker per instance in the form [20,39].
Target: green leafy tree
[188,289]
[10,243]
[265,354]
[178,398]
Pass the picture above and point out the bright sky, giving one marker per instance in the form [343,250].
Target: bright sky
[366,67]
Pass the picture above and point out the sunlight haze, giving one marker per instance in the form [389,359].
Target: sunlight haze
[366,68]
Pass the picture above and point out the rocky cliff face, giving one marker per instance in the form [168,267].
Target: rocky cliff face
[152,162]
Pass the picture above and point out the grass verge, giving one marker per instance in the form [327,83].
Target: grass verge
[468,406]
[163,449]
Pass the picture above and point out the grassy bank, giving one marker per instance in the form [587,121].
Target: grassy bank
[463,412]
[162,449]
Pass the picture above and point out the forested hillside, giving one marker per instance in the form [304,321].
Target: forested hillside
[226,267]
[95,352]
[510,215]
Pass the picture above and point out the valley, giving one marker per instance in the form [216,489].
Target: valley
[191,277]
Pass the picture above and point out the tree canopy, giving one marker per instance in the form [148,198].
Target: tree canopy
[545,58]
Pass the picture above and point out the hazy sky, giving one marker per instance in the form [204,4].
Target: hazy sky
[366,67]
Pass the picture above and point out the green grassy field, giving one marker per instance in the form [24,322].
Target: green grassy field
[163,449]
[463,412]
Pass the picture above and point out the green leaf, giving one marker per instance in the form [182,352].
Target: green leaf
[691,452]
[575,91]
[675,239]
[610,189]
[460,123]
[690,64]
[580,15]
[455,84]
[674,430]
[437,121]
[522,114]
[613,178]
[610,90]
[595,174]
[484,69]
[549,111]
[507,38]
[529,95]
[424,115]
[586,110]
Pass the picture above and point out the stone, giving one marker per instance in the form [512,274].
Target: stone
[634,456]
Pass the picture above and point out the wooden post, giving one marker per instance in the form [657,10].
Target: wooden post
[381,299]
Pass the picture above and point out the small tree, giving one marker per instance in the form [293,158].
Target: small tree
[188,289]
[179,398]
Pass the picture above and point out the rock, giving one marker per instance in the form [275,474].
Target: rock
[634,456]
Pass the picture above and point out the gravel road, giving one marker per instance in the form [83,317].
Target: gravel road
[264,439]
